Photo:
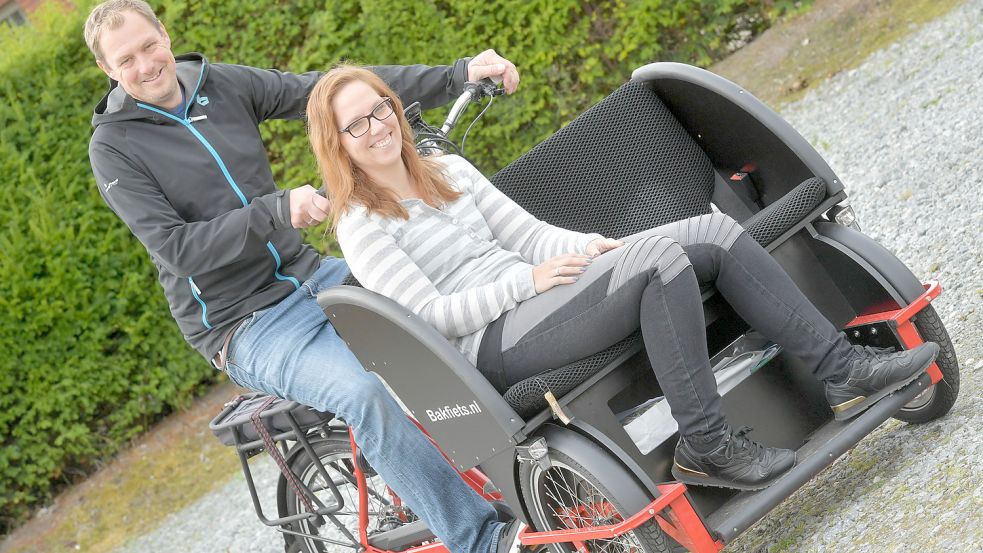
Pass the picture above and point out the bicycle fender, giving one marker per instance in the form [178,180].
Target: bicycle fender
[882,265]
[598,461]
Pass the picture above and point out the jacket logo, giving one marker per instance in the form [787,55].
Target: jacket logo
[202,100]
[109,185]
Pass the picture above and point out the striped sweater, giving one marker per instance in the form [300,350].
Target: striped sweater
[460,267]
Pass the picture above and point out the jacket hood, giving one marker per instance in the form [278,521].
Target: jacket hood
[117,105]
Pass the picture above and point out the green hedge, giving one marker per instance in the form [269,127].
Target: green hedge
[90,355]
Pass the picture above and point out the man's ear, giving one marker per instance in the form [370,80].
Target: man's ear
[105,69]
[163,32]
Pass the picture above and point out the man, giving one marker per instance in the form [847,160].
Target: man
[177,155]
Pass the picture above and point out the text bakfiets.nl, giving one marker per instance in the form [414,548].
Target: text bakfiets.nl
[453,411]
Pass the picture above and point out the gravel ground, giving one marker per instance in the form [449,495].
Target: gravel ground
[905,133]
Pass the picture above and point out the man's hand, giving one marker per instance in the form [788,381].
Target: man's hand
[601,245]
[307,207]
[489,64]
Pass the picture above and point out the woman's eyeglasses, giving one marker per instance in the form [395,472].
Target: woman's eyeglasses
[360,126]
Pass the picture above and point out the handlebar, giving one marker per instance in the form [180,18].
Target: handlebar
[429,139]
[473,92]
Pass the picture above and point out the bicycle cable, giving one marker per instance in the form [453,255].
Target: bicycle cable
[466,131]
[436,137]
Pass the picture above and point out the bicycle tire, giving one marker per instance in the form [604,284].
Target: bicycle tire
[335,454]
[939,399]
[534,482]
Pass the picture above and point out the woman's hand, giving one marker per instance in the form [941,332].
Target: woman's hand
[562,269]
[601,245]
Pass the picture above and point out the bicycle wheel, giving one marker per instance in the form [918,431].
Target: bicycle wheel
[385,510]
[936,400]
[567,495]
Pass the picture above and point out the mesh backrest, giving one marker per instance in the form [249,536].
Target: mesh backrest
[350,280]
[623,166]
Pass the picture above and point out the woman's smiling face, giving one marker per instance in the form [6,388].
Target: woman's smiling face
[380,146]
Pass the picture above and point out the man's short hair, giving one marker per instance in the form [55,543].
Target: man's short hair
[109,15]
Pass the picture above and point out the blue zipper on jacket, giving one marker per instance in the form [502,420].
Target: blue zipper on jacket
[204,308]
[235,188]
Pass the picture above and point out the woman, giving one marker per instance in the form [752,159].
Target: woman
[518,296]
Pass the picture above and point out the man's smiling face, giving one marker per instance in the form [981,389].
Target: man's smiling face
[138,55]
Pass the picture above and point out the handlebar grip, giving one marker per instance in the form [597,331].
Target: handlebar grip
[323,191]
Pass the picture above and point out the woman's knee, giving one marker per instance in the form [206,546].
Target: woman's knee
[655,254]
[716,229]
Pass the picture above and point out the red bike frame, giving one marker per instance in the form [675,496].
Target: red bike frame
[672,510]
[900,321]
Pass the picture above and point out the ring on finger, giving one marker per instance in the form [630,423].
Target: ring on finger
[557,272]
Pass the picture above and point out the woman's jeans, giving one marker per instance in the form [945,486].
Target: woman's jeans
[290,351]
[653,282]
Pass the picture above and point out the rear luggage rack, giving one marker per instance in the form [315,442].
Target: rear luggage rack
[255,422]
[232,427]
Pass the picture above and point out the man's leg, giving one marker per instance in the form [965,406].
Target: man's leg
[292,352]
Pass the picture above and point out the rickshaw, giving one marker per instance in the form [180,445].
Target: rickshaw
[583,452]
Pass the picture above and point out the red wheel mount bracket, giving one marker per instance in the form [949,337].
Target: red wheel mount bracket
[680,522]
[899,321]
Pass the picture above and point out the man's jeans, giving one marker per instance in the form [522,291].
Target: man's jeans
[290,351]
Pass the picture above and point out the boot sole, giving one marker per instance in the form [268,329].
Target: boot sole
[697,478]
[854,410]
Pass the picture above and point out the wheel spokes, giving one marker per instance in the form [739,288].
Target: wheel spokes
[573,502]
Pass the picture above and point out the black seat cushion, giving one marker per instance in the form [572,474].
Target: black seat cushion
[528,396]
[350,280]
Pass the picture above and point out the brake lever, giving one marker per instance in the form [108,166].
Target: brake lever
[483,87]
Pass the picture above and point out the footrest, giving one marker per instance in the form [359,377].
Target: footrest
[402,538]
[233,426]
[823,447]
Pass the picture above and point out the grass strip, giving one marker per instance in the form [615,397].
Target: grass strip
[834,36]
[162,472]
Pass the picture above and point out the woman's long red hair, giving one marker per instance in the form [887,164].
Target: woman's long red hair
[346,182]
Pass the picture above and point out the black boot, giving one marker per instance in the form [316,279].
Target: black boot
[729,460]
[872,374]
